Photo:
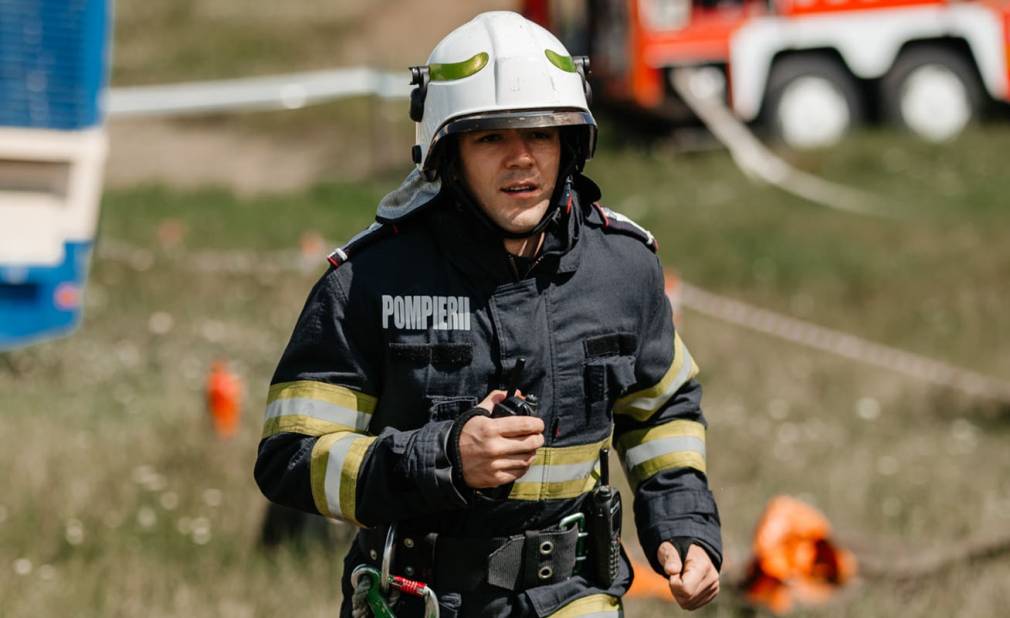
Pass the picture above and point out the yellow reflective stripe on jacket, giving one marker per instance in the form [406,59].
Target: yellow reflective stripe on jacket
[316,408]
[640,405]
[336,462]
[560,472]
[593,606]
[676,444]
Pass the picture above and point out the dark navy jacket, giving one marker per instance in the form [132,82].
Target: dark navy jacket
[418,321]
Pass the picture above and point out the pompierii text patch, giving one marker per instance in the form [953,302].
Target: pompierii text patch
[426,312]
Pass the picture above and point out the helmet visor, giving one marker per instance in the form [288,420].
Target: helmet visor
[525,119]
[520,119]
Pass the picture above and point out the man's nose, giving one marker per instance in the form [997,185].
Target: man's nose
[519,153]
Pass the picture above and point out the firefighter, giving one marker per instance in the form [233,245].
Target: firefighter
[391,409]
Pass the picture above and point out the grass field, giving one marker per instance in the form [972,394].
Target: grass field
[118,501]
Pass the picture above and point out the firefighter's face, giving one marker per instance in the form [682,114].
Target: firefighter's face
[511,173]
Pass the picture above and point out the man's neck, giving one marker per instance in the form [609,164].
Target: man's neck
[524,247]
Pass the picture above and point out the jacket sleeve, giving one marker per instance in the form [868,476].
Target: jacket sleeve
[660,436]
[316,453]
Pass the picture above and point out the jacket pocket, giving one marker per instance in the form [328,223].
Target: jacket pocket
[606,379]
[447,408]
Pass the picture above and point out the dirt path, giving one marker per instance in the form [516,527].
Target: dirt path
[161,152]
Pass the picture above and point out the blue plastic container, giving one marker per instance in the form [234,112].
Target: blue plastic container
[53,62]
[53,72]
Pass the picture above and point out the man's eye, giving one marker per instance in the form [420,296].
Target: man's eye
[542,135]
[489,138]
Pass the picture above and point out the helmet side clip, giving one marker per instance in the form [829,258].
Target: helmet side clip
[582,66]
[419,76]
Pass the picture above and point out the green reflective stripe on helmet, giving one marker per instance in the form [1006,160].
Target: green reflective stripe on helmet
[451,71]
[565,63]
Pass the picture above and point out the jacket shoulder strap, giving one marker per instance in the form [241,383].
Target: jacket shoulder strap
[370,235]
[613,222]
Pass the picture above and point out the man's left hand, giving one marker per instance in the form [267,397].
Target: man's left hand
[693,582]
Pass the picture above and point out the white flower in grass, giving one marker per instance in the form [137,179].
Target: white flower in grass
[146,517]
[160,323]
[22,566]
[868,408]
[200,532]
[73,531]
[212,497]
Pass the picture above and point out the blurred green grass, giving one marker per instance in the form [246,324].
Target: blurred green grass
[118,500]
[214,218]
[934,280]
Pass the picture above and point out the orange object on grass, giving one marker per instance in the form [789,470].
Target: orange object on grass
[674,292]
[223,399]
[648,583]
[795,560]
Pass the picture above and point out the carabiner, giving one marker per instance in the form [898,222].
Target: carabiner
[374,598]
[388,551]
[579,520]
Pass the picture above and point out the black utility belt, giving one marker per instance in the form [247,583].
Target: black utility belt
[456,564]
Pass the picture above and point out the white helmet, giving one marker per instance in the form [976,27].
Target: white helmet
[499,71]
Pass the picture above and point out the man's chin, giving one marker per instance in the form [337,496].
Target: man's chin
[522,225]
[526,220]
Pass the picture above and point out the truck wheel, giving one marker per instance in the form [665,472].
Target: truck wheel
[932,91]
[811,101]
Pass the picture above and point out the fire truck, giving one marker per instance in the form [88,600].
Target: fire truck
[807,70]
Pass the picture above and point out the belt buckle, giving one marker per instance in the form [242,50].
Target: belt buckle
[569,522]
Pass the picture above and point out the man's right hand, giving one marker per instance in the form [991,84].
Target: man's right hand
[496,451]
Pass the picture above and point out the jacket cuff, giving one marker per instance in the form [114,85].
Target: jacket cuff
[452,449]
[691,514]
[428,465]
[684,543]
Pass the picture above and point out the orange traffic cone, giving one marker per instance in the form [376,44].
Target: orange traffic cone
[223,399]
[313,250]
[795,559]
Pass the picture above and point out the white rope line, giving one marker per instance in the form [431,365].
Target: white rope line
[239,262]
[755,160]
[843,344]
[290,91]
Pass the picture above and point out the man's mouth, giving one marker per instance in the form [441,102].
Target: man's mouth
[520,188]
